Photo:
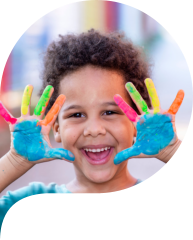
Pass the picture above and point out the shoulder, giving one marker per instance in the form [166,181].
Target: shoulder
[40,188]
[33,189]
[11,197]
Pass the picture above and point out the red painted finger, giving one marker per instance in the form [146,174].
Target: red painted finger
[129,112]
[6,115]
[176,103]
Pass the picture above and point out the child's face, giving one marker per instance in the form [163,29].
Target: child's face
[90,119]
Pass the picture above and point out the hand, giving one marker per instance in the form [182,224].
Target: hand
[155,128]
[30,134]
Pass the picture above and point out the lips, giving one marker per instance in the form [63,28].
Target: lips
[98,162]
[97,156]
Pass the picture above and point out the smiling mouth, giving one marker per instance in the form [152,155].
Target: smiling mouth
[97,155]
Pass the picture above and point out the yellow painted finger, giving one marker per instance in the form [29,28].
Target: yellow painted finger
[153,95]
[25,105]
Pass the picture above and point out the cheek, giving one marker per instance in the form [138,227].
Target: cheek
[124,134]
[69,136]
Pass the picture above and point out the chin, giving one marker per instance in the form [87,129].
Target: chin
[100,177]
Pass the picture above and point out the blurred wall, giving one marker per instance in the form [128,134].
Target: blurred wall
[170,73]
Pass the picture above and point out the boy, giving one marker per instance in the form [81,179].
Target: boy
[84,77]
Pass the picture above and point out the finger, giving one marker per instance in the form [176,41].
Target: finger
[60,153]
[53,111]
[177,102]
[136,97]
[26,99]
[6,115]
[129,112]
[126,154]
[153,95]
[43,102]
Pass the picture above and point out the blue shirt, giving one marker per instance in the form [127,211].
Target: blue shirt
[7,201]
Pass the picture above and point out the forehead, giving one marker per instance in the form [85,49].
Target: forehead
[92,84]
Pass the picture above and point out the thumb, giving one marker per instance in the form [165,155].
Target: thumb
[126,154]
[60,153]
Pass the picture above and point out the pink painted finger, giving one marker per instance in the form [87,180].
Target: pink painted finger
[6,115]
[129,112]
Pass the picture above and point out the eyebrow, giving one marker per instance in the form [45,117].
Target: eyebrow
[79,107]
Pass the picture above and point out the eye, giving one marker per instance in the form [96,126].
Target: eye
[80,114]
[75,114]
[111,112]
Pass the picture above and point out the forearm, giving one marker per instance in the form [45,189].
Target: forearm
[11,168]
[167,153]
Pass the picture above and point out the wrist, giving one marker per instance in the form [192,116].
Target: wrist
[167,153]
[18,162]
[12,166]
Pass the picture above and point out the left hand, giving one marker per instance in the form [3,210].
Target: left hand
[155,128]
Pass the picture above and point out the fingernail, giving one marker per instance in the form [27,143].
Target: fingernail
[129,85]
[116,99]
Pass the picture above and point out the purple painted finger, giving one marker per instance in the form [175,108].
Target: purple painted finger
[129,112]
[6,115]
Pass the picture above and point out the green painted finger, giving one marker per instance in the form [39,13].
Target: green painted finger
[43,102]
[153,95]
[26,99]
[136,97]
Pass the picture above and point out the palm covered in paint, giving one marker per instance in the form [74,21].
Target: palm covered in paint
[30,134]
[155,128]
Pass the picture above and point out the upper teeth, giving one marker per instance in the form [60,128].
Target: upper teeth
[96,150]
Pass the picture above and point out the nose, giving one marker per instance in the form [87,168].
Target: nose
[94,128]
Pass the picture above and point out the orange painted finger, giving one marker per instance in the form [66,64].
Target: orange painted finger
[53,111]
[176,103]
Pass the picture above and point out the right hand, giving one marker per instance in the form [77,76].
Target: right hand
[156,131]
[30,134]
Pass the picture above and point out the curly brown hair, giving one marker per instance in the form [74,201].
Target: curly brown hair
[110,51]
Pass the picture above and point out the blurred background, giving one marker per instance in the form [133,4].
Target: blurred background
[169,72]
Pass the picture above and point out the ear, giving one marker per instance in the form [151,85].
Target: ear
[56,130]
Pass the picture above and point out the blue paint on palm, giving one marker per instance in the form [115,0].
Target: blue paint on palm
[29,142]
[154,133]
